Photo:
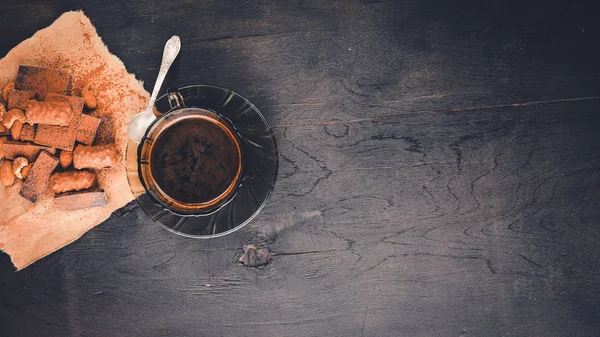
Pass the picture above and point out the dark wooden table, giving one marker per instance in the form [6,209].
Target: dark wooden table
[439,175]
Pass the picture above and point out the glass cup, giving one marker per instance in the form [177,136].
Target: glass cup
[252,175]
[199,168]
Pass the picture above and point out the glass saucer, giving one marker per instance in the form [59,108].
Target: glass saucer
[261,161]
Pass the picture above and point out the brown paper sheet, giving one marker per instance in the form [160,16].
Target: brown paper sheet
[28,231]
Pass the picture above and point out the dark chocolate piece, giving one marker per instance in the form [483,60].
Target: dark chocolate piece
[42,81]
[37,180]
[105,134]
[87,129]
[27,133]
[17,99]
[30,151]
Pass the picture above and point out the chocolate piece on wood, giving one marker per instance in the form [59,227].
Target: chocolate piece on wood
[17,99]
[30,151]
[50,113]
[42,81]
[61,137]
[38,177]
[27,133]
[87,129]
[82,200]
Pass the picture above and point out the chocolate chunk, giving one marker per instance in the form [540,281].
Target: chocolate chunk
[87,129]
[17,99]
[30,151]
[75,201]
[37,180]
[61,137]
[42,81]
[27,133]
[105,134]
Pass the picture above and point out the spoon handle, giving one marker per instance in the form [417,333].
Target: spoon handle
[172,48]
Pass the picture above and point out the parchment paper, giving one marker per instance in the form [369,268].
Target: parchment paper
[28,231]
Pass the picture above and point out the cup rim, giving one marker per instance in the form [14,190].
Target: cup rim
[152,187]
[157,211]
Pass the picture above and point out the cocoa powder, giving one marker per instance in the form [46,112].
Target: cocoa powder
[72,46]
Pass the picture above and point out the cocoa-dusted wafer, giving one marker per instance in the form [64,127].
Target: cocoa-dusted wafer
[43,81]
[30,151]
[50,113]
[95,157]
[61,137]
[27,133]
[61,182]
[87,129]
[81,200]
[37,180]
[17,99]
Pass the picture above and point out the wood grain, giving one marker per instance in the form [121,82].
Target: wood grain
[439,176]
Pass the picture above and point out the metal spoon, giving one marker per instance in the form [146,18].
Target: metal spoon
[140,122]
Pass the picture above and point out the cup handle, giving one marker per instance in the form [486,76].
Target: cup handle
[175,98]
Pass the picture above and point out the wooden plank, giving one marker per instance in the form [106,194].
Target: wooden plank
[439,176]
[407,58]
[410,57]
[472,208]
